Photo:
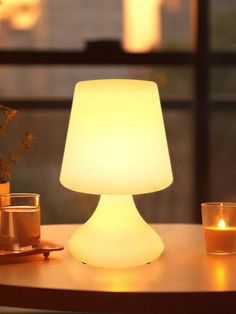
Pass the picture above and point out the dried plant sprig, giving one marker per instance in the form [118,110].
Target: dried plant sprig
[6,162]
[8,113]
[2,131]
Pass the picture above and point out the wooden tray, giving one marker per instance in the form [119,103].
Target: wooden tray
[43,247]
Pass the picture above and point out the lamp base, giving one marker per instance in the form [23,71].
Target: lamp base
[116,236]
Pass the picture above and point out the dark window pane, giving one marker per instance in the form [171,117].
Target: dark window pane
[223,25]
[223,82]
[174,204]
[222,156]
[58,82]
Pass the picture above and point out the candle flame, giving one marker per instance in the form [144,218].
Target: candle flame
[221,223]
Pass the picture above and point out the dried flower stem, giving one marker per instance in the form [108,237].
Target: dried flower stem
[6,162]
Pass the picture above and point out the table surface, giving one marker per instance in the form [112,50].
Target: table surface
[183,280]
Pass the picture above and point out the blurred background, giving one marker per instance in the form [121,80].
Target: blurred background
[46,46]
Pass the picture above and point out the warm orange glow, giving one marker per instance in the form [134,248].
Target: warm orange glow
[20,14]
[221,223]
[220,275]
[116,280]
[220,239]
[5,10]
[173,5]
[141,25]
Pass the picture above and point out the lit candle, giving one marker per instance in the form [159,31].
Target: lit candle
[220,236]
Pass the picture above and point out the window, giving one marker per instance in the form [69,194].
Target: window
[76,40]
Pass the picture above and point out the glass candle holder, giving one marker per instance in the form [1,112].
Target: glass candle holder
[219,222]
[19,221]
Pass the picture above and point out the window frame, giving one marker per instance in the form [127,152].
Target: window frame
[201,59]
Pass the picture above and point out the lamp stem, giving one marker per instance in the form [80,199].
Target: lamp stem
[116,212]
[116,235]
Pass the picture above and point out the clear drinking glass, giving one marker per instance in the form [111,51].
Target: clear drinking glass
[219,222]
[19,221]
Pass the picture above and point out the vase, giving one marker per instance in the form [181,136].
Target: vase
[4,187]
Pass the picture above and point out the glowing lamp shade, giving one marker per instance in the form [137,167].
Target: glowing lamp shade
[116,146]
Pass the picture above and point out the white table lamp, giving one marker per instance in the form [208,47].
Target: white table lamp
[116,146]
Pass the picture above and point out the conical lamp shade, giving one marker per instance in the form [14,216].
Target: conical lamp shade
[116,141]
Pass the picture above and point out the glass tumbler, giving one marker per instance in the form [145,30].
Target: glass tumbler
[19,221]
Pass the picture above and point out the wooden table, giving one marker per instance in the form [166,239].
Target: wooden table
[183,280]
